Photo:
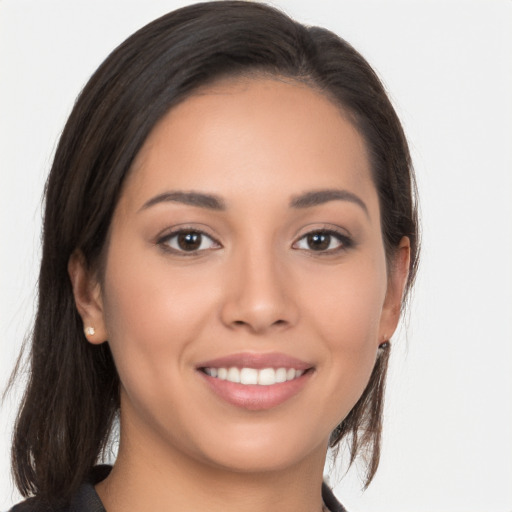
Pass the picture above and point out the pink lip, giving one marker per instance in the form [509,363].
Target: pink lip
[256,361]
[254,397]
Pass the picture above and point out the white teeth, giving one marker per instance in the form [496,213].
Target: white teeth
[248,376]
[281,375]
[267,377]
[233,375]
[263,377]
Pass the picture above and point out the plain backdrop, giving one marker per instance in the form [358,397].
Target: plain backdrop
[448,69]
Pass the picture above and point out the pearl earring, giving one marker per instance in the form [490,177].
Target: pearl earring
[89,331]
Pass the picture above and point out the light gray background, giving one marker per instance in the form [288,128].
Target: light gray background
[448,68]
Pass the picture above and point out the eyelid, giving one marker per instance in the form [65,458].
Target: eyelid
[342,235]
[165,236]
[314,227]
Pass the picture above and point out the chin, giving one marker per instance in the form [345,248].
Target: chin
[262,449]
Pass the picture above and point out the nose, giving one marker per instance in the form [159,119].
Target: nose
[258,296]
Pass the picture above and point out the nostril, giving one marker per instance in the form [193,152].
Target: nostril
[254,326]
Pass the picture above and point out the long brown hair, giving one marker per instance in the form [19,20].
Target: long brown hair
[72,396]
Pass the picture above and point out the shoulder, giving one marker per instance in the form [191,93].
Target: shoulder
[330,500]
[84,500]
[32,505]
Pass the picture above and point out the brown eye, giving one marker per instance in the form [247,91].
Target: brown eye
[323,241]
[318,241]
[188,241]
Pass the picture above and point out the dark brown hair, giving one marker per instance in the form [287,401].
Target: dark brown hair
[72,396]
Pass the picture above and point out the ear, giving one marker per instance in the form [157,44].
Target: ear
[397,279]
[88,299]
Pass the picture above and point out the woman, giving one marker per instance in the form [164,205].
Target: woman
[230,233]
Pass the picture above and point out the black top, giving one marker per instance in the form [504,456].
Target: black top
[87,500]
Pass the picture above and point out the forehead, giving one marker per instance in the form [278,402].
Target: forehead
[243,137]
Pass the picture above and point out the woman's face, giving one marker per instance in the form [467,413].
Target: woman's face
[246,245]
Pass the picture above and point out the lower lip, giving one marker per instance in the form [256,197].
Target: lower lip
[254,397]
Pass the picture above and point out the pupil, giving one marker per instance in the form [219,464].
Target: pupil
[319,241]
[189,241]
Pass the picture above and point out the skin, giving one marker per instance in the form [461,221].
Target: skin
[256,285]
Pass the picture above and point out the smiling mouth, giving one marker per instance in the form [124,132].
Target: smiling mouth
[253,376]
[256,381]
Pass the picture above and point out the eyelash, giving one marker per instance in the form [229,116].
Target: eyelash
[344,241]
[164,241]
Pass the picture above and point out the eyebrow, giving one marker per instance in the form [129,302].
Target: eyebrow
[209,201]
[213,202]
[318,197]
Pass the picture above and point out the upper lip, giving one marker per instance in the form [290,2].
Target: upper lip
[257,361]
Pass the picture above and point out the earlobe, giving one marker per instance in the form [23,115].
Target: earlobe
[397,280]
[88,299]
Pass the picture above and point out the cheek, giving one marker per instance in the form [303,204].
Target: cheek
[346,313]
[348,304]
[152,314]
